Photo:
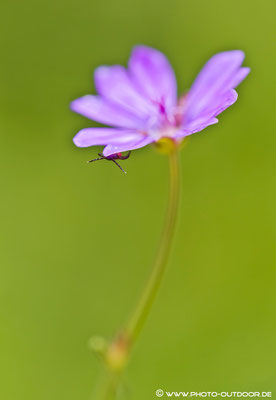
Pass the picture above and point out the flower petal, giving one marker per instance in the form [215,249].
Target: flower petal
[239,77]
[207,119]
[154,75]
[100,110]
[114,84]
[132,144]
[196,126]
[221,73]
[220,104]
[224,102]
[103,136]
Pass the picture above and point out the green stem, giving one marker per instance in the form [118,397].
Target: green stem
[119,350]
[143,308]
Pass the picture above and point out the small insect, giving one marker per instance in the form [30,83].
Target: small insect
[112,157]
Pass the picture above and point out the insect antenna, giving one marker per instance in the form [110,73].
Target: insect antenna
[96,159]
[118,166]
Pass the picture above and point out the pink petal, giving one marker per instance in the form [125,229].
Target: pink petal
[154,75]
[103,136]
[239,77]
[115,85]
[224,102]
[220,74]
[100,110]
[132,144]
[220,104]
[196,126]
[207,119]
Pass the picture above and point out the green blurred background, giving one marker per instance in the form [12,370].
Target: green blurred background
[77,240]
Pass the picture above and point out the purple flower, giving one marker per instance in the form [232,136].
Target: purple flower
[141,105]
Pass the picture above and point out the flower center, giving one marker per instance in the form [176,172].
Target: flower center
[166,123]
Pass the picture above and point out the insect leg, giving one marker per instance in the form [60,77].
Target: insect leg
[126,156]
[118,166]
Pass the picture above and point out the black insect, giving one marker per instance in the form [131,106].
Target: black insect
[112,157]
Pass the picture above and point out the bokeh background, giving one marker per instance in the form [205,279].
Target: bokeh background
[77,240]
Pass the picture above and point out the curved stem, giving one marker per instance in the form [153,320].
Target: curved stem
[119,350]
[143,308]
